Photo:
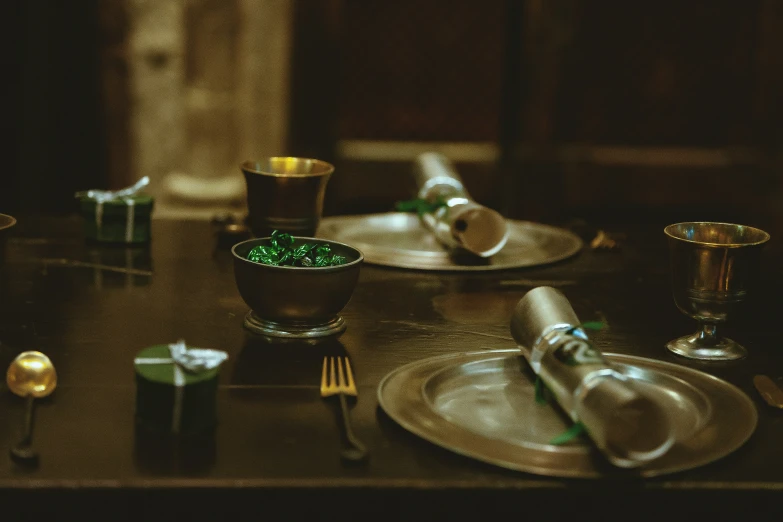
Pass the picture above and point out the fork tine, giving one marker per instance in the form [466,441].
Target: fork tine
[332,381]
[351,384]
[324,382]
[340,376]
[352,449]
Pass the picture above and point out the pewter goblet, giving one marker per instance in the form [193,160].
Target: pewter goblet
[713,266]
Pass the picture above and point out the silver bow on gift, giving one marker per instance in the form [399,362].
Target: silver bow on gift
[196,360]
[102,196]
[191,360]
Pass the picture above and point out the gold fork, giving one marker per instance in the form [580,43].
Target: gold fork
[342,384]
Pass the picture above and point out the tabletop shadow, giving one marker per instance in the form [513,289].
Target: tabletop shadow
[264,363]
[163,453]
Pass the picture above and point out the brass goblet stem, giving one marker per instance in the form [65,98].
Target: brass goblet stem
[708,336]
[707,345]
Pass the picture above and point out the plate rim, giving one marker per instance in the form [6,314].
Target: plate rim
[736,393]
[383,255]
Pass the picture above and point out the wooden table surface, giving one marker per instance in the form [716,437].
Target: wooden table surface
[275,451]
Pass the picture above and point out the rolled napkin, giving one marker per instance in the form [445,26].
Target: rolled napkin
[628,427]
[460,222]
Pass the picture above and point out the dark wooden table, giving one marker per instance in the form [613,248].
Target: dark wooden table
[275,452]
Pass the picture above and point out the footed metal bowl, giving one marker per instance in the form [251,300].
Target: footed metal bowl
[295,303]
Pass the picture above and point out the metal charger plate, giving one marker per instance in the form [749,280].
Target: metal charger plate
[399,239]
[482,405]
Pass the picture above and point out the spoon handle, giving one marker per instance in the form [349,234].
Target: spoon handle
[27,434]
[24,452]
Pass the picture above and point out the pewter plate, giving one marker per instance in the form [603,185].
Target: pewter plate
[399,239]
[482,405]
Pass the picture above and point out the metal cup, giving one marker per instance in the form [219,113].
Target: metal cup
[713,266]
[285,194]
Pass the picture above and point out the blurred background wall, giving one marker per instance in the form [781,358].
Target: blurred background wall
[547,108]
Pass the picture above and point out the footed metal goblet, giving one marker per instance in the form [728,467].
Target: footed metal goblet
[713,265]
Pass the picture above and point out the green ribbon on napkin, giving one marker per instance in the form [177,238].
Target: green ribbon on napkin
[420,206]
[568,435]
[541,394]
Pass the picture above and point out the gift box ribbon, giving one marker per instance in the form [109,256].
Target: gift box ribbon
[102,196]
[184,359]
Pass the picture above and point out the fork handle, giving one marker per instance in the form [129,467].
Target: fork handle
[353,450]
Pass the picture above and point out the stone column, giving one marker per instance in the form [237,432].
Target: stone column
[208,89]
[235,96]
[156,44]
[263,77]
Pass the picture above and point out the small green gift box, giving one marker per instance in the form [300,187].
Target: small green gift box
[176,387]
[122,216]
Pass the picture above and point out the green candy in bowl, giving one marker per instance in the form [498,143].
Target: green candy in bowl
[295,287]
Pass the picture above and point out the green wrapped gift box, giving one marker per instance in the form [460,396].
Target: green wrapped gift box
[171,398]
[119,220]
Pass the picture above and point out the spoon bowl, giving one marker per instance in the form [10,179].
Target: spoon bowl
[31,373]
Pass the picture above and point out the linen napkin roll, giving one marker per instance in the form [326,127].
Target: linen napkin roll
[629,427]
[462,223]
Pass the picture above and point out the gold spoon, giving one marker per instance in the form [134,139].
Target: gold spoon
[31,375]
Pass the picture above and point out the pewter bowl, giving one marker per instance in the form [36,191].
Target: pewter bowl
[295,303]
